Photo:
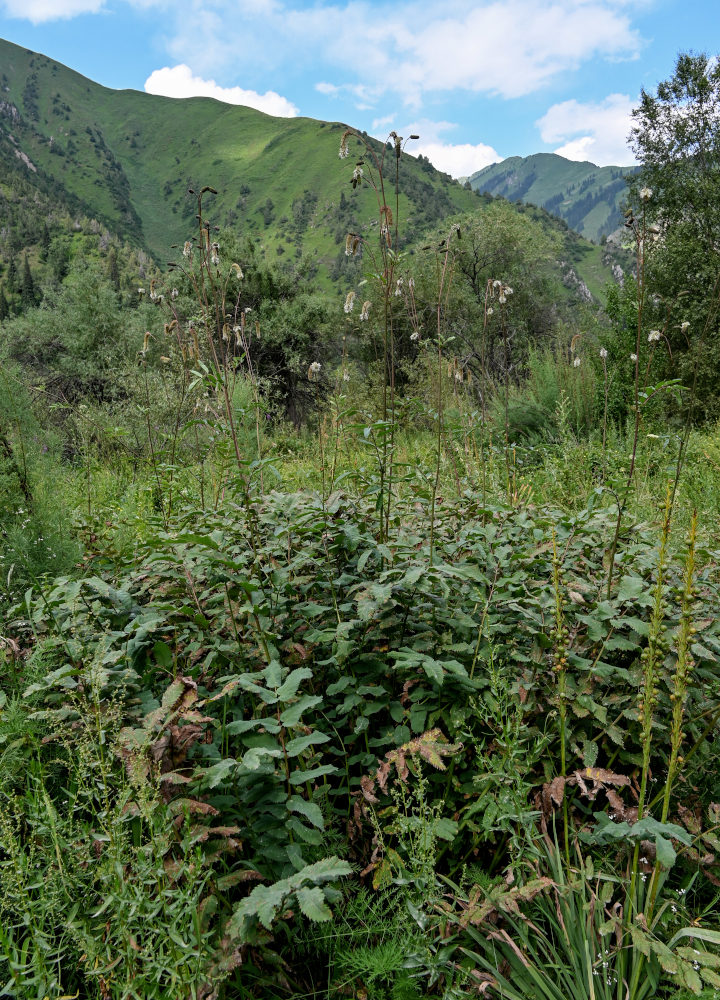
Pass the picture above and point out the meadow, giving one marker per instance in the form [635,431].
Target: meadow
[365,649]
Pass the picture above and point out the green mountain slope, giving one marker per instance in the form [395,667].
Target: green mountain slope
[128,158]
[589,198]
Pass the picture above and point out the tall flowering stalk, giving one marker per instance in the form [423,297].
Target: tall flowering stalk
[560,640]
[603,358]
[372,170]
[640,231]
[651,659]
[444,281]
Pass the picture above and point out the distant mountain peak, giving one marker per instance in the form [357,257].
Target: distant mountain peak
[588,197]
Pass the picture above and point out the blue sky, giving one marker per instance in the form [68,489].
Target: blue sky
[479,80]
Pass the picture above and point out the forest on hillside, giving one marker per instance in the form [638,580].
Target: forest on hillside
[360,612]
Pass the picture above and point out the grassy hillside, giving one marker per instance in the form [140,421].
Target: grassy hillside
[587,197]
[129,158]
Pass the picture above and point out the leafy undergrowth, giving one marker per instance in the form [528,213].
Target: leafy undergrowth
[273,756]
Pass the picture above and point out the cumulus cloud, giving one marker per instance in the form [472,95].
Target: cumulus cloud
[179,81]
[458,160]
[38,11]
[508,48]
[590,131]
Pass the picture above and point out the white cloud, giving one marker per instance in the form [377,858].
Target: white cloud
[38,11]
[328,89]
[382,124]
[458,160]
[179,81]
[590,131]
[509,48]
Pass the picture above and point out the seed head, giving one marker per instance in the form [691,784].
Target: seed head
[645,193]
[365,312]
[314,371]
[187,250]
[653,336]
[603,353]
[349,302]
[576,362]
[344,152]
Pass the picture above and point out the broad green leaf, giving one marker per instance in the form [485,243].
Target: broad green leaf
[312,903]
[292,715]
[310,810]
[292,682]
[300,743]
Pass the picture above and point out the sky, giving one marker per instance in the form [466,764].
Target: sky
[478,80]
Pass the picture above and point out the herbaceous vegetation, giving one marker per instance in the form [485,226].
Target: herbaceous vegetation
[364,645]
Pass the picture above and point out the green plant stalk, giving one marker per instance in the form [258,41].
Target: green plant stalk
[561,674]
[640,244]
[678,695]
[652,656]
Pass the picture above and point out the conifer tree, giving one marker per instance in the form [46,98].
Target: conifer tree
[28,285]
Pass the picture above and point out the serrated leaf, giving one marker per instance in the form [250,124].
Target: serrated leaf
[292,682]
[310,810]
[312,903]
[292,715]
[300,743]
[218,772]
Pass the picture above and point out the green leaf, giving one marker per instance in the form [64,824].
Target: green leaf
[292,715]
[163,654]
[218,772]
[300,777]
[313,905]
[300,743]
[292,682]
[665,851]
[630,588]
[272,675]
[446,828]
[310,810]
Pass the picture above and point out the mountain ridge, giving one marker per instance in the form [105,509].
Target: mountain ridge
[588,197]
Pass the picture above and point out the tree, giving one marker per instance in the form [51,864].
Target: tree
[676,137]
[28,285]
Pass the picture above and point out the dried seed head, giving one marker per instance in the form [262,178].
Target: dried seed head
[344,151]
[314,371]
[187,250]
[365,313]
[349,302]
